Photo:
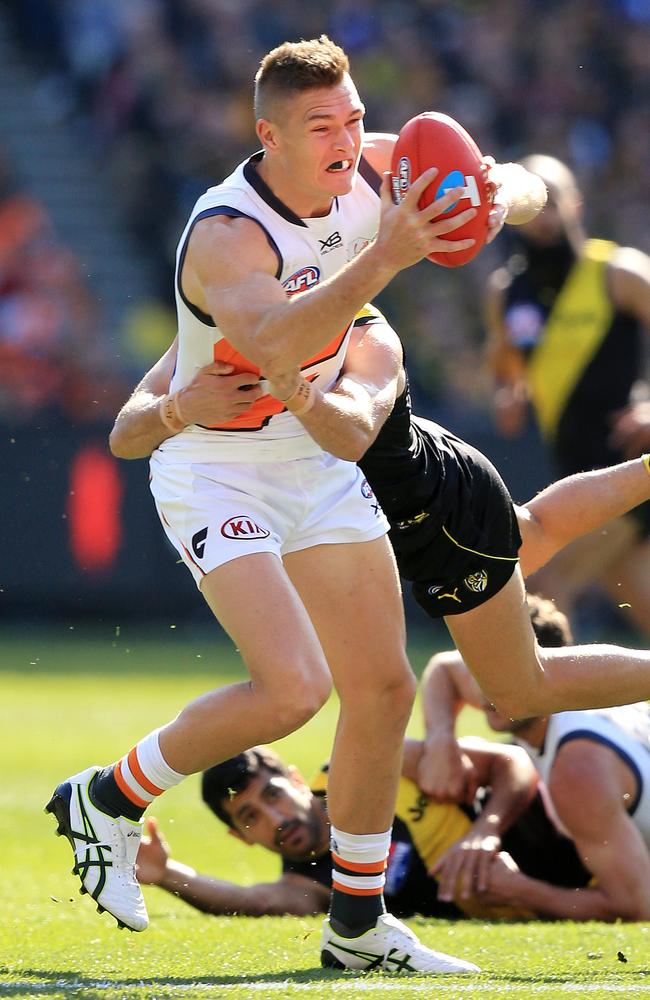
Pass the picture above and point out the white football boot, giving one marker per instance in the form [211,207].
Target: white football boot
[104,849]
[389,945]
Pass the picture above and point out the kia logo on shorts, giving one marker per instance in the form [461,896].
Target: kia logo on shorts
[243,527]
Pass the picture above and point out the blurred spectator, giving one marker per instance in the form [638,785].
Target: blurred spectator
[53,357]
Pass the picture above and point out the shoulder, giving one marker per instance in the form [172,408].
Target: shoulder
[584,782]
[226,240]
[378,150]
[629,276]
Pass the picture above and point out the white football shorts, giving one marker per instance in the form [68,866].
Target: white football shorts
[215,512]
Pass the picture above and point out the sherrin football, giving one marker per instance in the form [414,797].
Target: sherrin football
[436,140]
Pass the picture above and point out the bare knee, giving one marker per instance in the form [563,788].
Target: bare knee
[384,695]
[297,699]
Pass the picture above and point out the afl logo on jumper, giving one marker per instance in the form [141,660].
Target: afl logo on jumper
[477,581]
[243,528]
[302,280]
[365,490]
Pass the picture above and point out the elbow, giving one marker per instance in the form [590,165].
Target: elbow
[116,445]
[119,447]
[355,450]
[629,910]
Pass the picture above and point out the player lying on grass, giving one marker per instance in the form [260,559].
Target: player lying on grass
[596,767]
[263,801]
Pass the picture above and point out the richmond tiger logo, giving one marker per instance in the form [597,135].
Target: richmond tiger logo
[477,582]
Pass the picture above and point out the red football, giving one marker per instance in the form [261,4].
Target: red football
[435,140]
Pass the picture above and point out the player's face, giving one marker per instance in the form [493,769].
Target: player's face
[318,138]
[560,214]
[501,723]
[281,814]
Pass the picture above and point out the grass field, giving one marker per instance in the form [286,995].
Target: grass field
[69,700]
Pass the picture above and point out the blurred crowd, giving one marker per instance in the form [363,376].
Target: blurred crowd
[55,361]
[163,88]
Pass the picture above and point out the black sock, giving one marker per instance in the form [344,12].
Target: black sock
[353,915]
[105,793]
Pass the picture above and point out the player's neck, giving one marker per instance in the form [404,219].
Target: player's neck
[305,204]
[533,731]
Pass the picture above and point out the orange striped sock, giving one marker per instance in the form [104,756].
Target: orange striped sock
[358,878]
[143,773]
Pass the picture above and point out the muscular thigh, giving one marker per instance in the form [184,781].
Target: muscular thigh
[497,642]
[258,606]
[353,597]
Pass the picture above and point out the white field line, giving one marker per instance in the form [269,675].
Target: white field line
[361,986]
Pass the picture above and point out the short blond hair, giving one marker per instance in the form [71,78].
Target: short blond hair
[297,66]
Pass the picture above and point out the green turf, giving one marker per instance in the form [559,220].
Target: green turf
[69,699]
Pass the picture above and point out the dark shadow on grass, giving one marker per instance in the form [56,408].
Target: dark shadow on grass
[38,982]
[35,982]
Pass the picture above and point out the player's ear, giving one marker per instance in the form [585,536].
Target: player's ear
[267,134]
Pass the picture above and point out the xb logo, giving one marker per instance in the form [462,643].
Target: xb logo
[331,243]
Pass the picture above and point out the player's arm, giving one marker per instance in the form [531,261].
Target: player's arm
[292,894]
[214,396]
[588,797]
[346,420]
[519,194]
[378,150]
[509,774]
[230,272]
[629,281]
[444,772]
[505,363]
[577,505]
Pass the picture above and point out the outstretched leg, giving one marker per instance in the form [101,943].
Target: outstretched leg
[100,809]
[497,643]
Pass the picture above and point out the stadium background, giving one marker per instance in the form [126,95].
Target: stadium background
[116,114]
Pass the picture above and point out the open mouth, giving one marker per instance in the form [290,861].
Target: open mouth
[291,832]
[339,166]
